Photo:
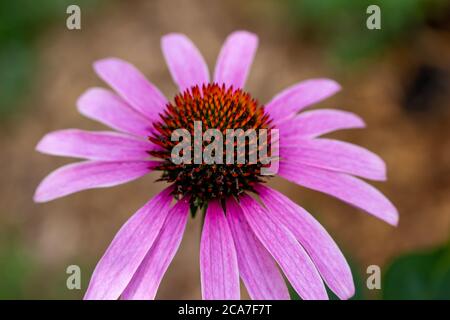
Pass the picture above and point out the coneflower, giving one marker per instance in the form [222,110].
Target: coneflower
[249,230]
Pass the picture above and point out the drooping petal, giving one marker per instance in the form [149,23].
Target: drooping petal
[235,59]
[299,96]
[342,186]
[106,107]
[336,156]
[147,278]
[85,175]
[94,145]
[284,247]
[314,238]
[132,86]
[128,249]
[314,123]
[186,64]
[218,261]
[257,268]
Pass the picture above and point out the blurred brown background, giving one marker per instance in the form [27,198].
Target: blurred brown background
[408,125]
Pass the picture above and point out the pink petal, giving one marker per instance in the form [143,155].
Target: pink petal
[94,145]
[132,86]
[299,96]
[128,249]
[284,247]
[314,123]
[235,59]
[218,261]
[106,107]
[147,278]
[186,64]
[342,186]
[257,268]
[314,238]
[80,176]
[336,156]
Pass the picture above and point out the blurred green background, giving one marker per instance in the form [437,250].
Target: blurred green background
[396,78]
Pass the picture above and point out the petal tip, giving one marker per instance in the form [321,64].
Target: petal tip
[348,291]
[331,85]
[105,61]
[380,168]
[328,86]
[383,175]
[40,146]
[104,65]
[38,197]
[392,216]
[81,101]
[394,221]
[172,36]
[360,123]
[245,34]
[42,193]
[88,97]
[355,120]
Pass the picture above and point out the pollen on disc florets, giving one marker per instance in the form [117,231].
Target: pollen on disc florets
[217,107]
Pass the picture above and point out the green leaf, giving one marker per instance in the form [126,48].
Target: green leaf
[420,275]
[17,65]
[15,268]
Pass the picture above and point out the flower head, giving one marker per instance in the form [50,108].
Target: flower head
[241,236]
[212,107]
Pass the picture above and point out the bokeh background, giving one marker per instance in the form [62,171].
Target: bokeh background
[396,78]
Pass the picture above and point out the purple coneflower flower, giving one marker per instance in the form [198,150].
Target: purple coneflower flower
[250,230]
